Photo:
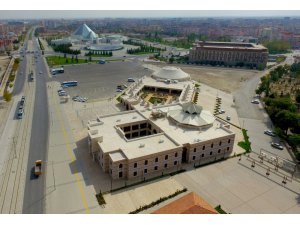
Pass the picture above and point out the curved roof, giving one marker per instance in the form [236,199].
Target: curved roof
[85,32]
[172,73]
[192,114]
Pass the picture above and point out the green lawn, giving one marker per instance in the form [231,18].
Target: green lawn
[56,60]
[95,55]
[143,53]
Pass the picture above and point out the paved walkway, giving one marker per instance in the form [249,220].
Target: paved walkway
[239,188]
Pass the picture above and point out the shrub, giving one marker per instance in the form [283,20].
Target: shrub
[100,199]
[246,144]
[7,96]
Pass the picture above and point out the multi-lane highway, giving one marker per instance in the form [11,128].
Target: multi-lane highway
[34,188]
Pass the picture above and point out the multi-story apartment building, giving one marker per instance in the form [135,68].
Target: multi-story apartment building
[229,54]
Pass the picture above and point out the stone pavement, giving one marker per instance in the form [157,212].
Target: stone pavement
[239,188]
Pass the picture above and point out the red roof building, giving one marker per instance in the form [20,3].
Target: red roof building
[188,204]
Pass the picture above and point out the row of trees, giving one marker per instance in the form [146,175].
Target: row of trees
[185,42]
[99,53]
[277,46]
[143,47]
[65,48]
[282,110]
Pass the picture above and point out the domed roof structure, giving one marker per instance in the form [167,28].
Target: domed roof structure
[192,115]
[84,33]
[171,73]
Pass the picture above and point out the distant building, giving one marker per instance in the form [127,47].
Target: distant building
[229,54]
[84,33]
[189,204]
[292,38]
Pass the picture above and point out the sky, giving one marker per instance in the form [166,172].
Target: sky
[69,14]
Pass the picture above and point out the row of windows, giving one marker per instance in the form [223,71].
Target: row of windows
[156,160]
[212,145]
[219,151]
[155,168]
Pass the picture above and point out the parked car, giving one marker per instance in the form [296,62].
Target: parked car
[221,111]
[62,93]
[119,90]
[255,101]
[270,133]
[228,118]
[130,80]
[277,145]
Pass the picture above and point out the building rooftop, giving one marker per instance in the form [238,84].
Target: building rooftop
[172,135]
[189,204]
[171,73]
[229,45]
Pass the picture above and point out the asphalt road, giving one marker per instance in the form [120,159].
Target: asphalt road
[254,118]
[34,188]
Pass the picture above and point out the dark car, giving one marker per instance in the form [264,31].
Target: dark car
[277,145]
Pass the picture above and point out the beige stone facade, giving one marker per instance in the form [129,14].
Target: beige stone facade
[229,54]
[132,144]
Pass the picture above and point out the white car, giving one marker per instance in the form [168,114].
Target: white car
[255,101]
[221,111]
[119,90]
[270,133]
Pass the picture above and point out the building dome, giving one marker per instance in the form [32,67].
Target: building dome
[191,108]
[171,73]
[192,115]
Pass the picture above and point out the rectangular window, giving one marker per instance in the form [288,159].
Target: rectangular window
[227,148]
[220,143]
[176,154]
[145,171]
[135,127]
[134,173]
[210,153]
[194,157]
[228,141]
[219,150]
[203,148]
[120,174]
[175,163]
[135,165]
[156,159]
[166,157]
[155,167]
[194,149]
[202,155]
[146,162]
[126,129]
[166,165]
[143,125]
[212,145]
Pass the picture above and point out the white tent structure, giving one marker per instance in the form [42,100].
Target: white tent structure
[171,73]
[192,115]
[84,33]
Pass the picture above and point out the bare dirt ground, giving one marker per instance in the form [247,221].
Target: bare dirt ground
[4,61]
[225,79]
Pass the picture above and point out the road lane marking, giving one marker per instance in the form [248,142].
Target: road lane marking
[72,157]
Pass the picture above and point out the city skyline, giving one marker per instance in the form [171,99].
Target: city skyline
[89,14]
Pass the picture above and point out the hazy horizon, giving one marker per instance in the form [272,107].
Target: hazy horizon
[94,14]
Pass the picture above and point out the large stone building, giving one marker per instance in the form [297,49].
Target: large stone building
[160,136]
[229,54]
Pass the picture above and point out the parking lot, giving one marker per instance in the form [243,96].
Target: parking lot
[99,81]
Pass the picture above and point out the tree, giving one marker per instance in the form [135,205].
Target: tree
[297,97]
[294,140]
[67,61]
[171,60]
[7,96]
[286,119]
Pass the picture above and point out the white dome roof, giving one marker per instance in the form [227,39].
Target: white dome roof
[172,73]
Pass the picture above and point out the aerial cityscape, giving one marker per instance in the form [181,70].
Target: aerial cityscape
[149,115]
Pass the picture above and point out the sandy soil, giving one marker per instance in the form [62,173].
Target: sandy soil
[4,61]
[225,79]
